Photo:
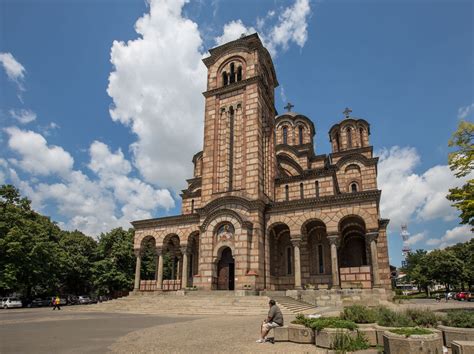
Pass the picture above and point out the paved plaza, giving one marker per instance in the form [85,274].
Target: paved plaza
[87,329]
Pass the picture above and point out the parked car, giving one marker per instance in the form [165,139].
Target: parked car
[11,302]
[451,295]
[38,302]
[84,300]
[462,296]
[72,300]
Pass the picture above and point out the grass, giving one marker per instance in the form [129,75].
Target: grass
[459,319]
[411,331]
[344,342]
[324,322]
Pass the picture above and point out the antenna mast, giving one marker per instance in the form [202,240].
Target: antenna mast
[406,248]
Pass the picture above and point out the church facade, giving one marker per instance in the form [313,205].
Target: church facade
[263,211]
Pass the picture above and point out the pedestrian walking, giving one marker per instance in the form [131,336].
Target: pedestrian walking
[56,303]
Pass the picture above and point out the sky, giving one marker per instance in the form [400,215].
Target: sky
[101,108]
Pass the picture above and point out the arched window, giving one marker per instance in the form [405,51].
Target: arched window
[285,135]
[232,73]
[224,78]
[287,193]
[239,73]
[300,134]
[354,187]
[320,259]
[192,206]
[361,131]
[289,261]
[301,191]
[316,186]
[349,137]
[337,142]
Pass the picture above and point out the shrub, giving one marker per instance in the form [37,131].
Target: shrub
[389,318]
[423,318]
[344,342]
[411,331]
[398,292]
[324,322]
[359,314]
[460,319]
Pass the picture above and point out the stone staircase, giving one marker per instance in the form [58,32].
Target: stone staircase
[294,306]
[193,303]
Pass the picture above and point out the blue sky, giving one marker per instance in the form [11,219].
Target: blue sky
[96,154]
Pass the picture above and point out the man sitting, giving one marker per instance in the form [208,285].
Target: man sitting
[274,319]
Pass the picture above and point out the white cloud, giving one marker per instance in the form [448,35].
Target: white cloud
[290,26]
[232,31]
[14,70]
[36,156]
[24,116]
[408,196]
[466,111]
[96,204]
[458,234]
[156,87]
[412,240]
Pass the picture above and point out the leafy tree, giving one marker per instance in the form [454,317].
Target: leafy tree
[444,267]
[417,270]
[462,162]
[148,265]
[115,268]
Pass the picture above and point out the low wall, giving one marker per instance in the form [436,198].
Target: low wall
[356,277]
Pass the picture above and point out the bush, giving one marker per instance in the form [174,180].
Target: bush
[389,318]
[411,331]
[359,314]
[344,342]
[423,318]
[460,319]
[324,322]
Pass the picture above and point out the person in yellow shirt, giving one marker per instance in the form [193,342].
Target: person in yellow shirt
[56,303]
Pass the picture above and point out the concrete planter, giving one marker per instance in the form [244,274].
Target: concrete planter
[462,347]
[300,334]
[280,334]
[325,337]
[368,330]
[364,351]
[380,331]
[421,344]
[455,333]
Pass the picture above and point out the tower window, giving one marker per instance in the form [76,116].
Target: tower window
[316,186]
[301,191]
[300,133]
[239,73]
[192,206]
[285,135]
[337,142]
[361,131]
[232,73]
[224,78]
[320,259]
[354,187]
[349,137]
[287,193]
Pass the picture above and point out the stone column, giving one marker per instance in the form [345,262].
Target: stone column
[371,237]
[173,266]
[159,275]
[178,266]
[184,276]
[138,266]
[334,240]
[296,247]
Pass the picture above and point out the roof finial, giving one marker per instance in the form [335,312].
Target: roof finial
[288,107]
[347,111]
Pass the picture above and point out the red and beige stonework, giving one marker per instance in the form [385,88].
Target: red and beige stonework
[262,210]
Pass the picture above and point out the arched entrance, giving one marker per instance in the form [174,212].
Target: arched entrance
[226,270]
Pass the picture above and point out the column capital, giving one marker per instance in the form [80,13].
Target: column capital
[372,236]
[159,251]
[137,252]
[185,250]
[296,241]
[334,239]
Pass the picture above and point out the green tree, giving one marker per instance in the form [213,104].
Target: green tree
[465,253]
[417,270]
[462,162]
[444,267]
[115,268]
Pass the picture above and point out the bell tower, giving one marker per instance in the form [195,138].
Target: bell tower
[239,144]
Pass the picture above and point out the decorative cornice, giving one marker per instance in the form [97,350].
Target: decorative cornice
[298,150]
[196,156]
[343,198]
[293,117]
[232,87]
[187,195]
[355,156]
[383,223]
[359,150]
[166,221]
[223,201]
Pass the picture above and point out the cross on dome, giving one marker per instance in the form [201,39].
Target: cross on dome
[288,107]
[347,111]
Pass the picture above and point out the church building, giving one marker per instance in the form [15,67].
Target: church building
[263,210]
